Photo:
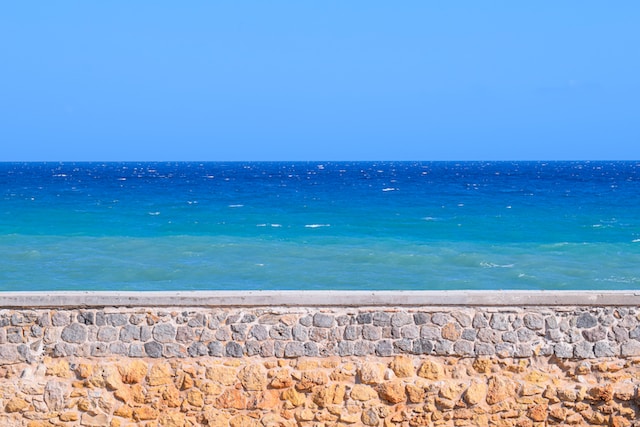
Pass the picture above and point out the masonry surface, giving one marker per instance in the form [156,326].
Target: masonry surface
[320,366]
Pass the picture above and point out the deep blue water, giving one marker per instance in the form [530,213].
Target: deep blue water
[320,225]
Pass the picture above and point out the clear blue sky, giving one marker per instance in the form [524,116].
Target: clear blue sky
[319,80]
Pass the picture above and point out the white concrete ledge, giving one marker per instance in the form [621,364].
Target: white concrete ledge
[497,298]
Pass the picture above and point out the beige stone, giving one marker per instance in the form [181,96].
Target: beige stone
[392,391]
[281,379]
[451,332]
[538,413]
[415,393]
[231,398]
[195,398]
[145,413]
[99,420]
[498,390]
[16,405]
[69,416]
[160,374]
[292,396]
[222,374]
[310,379]
[243,421]
[431,370]
[132,372]
[327,395]
[371,373]
[370,417]
[476,393]
[253,377]
[402,366]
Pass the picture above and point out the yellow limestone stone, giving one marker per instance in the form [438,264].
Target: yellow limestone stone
[371,373]
[475,394]
[222,374]
[363,392]
[253,377]
[392,391]
[16,405]
[402,366]
[431,370]
[292,396]
[132,372]
[160,374]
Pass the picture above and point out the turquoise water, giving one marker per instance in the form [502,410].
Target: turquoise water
[320,225]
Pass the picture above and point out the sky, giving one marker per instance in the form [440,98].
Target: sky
[319,80]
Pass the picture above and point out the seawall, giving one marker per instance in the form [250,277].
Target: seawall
[459,358]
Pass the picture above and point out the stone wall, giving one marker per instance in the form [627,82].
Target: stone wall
[304,366]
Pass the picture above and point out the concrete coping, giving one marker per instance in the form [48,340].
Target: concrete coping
[324,298]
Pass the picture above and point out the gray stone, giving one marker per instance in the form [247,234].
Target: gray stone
[422,346]
[604,349]
[37,331]
[483,349]
[363,348]
[620,333]
[384,348]
[278,348]
[469,334]
[145,333]
[311,349]
[510,336]
[516,322]
[118,348]
[259,332]
[421,318]
[164,332]
[551,322]
[198,321]
[523,350]
[130,333]
[533,321]
[153,349]
[107,334]
[563,350]
[136,350]
[343,320]
[74,333]
[525,335]
[322,320]
[223,334]
[233,349]
[117,319]
[586,320]
[61,349]
[505,350]
[280,332]
[185,334]
[463,348]
[239,332]
[249,318]
[267,349]
[306,321]
[573,336]
[595,334]
[86,317]
[55,395]
[173,350]
[24,353]
[100,349]
[499,321]
[635,334]
[463,318]
[352,332]
[489,336]
[479,321]
[410,331]
[630,349]
[583,350]
[61,318]
[381,318]
[14,336]
[294,349]
[215,348]
[443,347]
[252,347]
[400,319]
[439,319]
[364,318]
[345,348]
[197,349]
[430,332]
[554,335]
[371,333]
[299,333]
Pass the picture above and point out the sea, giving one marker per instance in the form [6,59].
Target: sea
[176,226]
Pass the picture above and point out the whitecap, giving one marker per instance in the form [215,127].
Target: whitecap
[154,213]
[635,241]
[389,189]
[429,218]
[317,225]
[276,225]
[122,179]
[261,225]
[236,206]
[492,265]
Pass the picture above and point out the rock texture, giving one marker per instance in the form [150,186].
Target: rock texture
[313,367]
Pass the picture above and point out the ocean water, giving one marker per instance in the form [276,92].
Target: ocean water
[319,225]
